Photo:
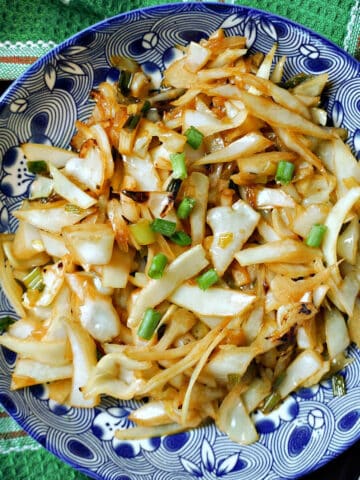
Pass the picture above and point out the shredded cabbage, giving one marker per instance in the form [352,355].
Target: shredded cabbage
[277,314]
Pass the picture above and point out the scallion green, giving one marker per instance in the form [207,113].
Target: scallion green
[284,172]
[71,208]
[34,280]
[157,266]
[316,235]
[207,279]
[146,107]
[149,324]
[233,379]
[271,401]
[181,238]
[296,80]
[37,166]
[165,227]
[142,232]
[338,385]
[132,121]
[185,207]
[194,137]
[178,165]
[124,82]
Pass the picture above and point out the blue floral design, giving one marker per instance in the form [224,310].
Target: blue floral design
[16,179]
[286,412]
[210,464]
[57,87]
[107,422]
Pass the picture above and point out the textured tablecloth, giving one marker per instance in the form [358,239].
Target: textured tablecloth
[30,28]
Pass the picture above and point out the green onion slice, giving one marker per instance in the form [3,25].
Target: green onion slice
[271,401]
[296,80]
[279,379]
[132,122]
[284,172]
[149,324]
[185,207]
[34,280]
[207,279]
[142,232]
[146,107]
[181,238]
[157,266]
[5,323]
[178,165]
[124,83]
[165,227]
[71,208]
[37,166]
[233,379]
[316,235]
[338,385]
[194,137]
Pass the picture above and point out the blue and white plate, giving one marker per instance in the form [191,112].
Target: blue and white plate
[312,426]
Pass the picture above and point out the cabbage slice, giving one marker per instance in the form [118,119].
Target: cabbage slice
[215,301]
[182,268]
[237,223]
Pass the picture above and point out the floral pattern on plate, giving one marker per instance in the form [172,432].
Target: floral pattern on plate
[311,426]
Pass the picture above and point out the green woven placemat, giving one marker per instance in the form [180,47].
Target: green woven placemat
[28,29]
[21,458]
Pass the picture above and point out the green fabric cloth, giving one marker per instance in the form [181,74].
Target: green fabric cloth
[28,29]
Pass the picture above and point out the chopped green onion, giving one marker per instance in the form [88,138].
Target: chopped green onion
[271,401]
[149,323]
[207,279]
[338,385]
[37,166]
[284,172]
[185,207]
[124,83]
[142,232]
[5,323]
[316,235]
[233,379]
[146,107]
[34,280]
[157,266]
[296,80]
[124,63]
[165,227]
[71,208]
[131,122]
[279,379]
[178,165]
[181,238]
[194,137]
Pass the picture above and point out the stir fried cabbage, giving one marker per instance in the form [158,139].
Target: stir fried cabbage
[197,246]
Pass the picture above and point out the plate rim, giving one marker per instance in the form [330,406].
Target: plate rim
[176,6]
[119,18]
